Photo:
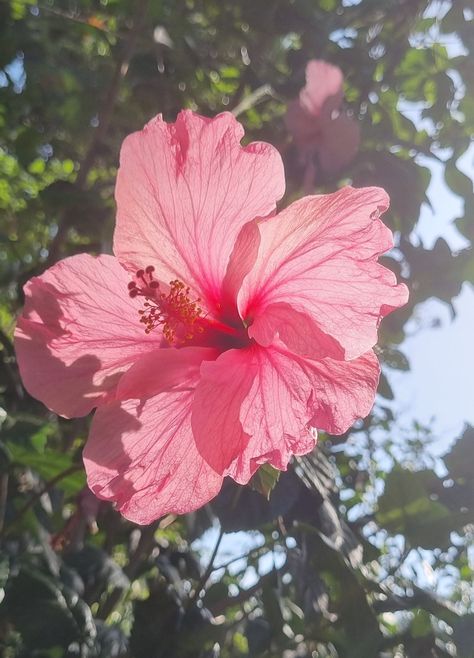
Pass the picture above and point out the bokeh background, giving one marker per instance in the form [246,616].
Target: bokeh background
[362,549]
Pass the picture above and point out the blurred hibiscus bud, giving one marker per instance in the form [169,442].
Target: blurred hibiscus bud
[326,136]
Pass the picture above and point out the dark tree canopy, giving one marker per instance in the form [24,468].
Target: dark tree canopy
[346,555]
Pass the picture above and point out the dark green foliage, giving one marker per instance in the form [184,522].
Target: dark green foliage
[352,558]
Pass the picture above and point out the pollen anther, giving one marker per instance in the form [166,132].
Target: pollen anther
[174,311]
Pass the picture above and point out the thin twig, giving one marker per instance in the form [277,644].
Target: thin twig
[106,112]
[253,551]
[104,116]
[75,18]
[253,99]
[47,487]
[205,576]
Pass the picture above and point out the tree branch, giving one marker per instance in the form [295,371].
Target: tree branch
[105,116]
[253,99]
[205,576]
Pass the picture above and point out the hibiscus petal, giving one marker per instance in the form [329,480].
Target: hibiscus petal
[340,139]
[224,385]
[78,333]
[142,455]
[291,396]
[163,370]
[305,128]
[320,256]
[185,190]
[323,87]
[241,261]
[297,330]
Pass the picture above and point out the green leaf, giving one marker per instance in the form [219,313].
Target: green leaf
[406,508]
[38,609]
[240,644]
[328,5]
[265,479]
[38,166]
[40,438]
[395,359]
[421,624]
[384,388]
[50,465]
[458,181]
[459,459]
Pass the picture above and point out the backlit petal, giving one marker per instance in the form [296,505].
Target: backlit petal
[297,330]
[305,128]
[142,455]
[263,405]
[320,257]
[292,397]
[241,261]
[163,370]
[184,191]
[323,87]
[224,385]
[78,333]
[340,139]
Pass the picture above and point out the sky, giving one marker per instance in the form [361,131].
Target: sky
[438,391]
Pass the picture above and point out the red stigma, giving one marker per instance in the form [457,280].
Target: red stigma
[175,312]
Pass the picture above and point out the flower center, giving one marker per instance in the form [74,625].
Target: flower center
[174,311]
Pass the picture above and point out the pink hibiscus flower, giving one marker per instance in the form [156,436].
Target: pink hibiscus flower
[321,129]
[219,336]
